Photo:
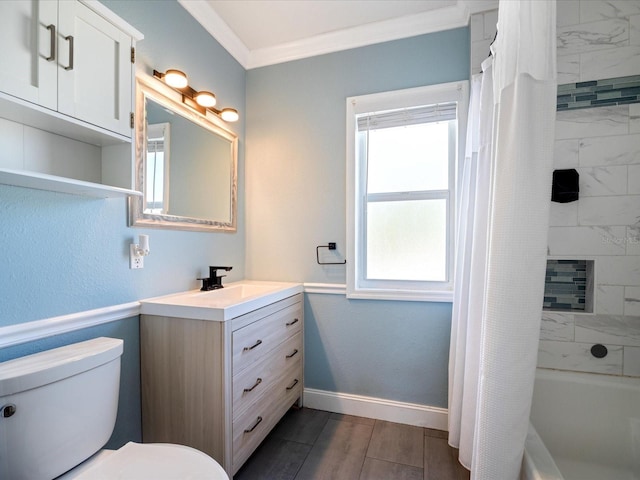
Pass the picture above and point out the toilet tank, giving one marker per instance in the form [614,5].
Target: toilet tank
[57,408]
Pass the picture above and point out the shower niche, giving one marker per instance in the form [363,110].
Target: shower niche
[569,286]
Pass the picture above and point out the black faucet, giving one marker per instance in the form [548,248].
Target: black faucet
[214,281]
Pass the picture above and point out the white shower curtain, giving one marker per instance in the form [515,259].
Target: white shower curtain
[502,241]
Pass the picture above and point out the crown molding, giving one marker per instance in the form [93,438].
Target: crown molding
[479,6]
[378,32]
[408,26]
[218,29]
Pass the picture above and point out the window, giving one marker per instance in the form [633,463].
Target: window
[402,150]
[157,168]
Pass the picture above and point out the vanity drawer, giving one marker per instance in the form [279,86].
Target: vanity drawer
[252,342]
[250,428]
[250,384]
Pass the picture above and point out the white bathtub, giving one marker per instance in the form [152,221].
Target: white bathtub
[590,424]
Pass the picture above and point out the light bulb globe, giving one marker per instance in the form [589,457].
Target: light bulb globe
[229,115]
[176,78]
[205,99]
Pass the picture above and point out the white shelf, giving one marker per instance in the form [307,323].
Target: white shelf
[41,181]
[18,110]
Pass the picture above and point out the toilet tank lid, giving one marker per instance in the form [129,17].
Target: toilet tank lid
[42,368]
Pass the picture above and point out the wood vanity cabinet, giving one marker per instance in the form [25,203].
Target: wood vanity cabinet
[221,387]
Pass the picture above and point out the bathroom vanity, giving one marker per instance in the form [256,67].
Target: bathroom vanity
[220,368]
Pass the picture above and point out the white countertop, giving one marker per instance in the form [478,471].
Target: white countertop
[235,299]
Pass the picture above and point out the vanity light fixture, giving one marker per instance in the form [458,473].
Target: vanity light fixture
[199,101]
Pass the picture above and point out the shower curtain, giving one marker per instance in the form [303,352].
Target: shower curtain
[502,242]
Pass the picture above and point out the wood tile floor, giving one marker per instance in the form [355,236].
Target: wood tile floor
[312,444]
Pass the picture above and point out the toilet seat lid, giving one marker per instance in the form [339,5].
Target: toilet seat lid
[157,461]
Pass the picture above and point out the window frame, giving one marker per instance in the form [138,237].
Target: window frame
[162,129]
[359,287]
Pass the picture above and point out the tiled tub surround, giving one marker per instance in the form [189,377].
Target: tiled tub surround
[599,93]
[566,340]
[565,286]
[482,30]
[598,40]
[603,144]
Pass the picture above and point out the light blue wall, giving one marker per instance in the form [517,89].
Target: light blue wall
[62,254]
[382,349]
[296,200]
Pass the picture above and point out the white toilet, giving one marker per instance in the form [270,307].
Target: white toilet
[58,409]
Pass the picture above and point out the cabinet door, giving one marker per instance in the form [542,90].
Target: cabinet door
[94,68]
[27,56]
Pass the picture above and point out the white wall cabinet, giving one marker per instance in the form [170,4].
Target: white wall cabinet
[70,57]
[67,70]
[28,37]
[95,68]
[221,387]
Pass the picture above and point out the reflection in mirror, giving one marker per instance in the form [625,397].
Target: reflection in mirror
[158,155]
[185,164]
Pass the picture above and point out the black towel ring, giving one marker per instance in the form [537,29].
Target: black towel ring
[330,246]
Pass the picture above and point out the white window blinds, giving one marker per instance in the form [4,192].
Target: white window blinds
[440,112]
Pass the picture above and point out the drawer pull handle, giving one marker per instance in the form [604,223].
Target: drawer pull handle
[295,382]
[249,430]
[258,382]
[70,40]
[52,31]
[246,349]
[292,353]
[295,320]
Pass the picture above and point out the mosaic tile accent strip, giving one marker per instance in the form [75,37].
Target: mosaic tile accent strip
[565,285]
[599,93]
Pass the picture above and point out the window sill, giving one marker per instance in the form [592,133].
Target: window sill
[445,296]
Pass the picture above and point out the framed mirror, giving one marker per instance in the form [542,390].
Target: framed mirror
[185,164]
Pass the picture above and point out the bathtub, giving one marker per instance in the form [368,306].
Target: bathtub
[583,427]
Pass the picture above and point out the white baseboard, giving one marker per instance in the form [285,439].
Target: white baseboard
[378,408]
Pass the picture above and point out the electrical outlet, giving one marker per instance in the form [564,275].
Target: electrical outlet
[135,260]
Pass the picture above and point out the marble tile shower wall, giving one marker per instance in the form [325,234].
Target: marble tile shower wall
[482,30]
[596,40]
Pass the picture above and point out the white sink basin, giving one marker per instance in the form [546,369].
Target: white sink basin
[233,300]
